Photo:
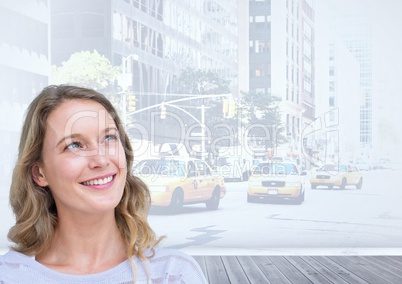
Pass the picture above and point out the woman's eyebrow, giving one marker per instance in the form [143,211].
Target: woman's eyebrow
[74,135]
[108,129]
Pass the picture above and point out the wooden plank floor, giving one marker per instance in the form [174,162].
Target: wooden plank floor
[301,269]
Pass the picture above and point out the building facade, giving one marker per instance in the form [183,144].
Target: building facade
[353,26]
[155,40]
[341,119]
[282,55]
[24,69]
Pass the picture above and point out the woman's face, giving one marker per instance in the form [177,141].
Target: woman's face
[83,161]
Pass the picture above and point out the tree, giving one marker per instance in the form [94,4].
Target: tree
[192,81]
[89,69]
[201,82]
[260,112]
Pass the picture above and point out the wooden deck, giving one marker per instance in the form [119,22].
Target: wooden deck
[301,269]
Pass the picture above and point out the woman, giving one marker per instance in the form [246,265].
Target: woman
[81,216]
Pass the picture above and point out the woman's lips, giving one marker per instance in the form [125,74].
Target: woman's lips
[100,183]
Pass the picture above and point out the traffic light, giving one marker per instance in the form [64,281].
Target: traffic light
[163,111]
[225,108]
[131,102]
[232,109]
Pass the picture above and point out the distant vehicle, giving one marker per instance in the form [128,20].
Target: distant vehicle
[234,163]
[232,168]
[341,175]
[281,159]
[383,163]
[363,166]
[276,180]
[176,181]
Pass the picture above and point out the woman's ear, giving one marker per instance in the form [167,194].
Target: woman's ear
[38,176]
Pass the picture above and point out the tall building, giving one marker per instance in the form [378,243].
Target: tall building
[282,61]
[24,70]
[341,119]
[350,20]
[155,40]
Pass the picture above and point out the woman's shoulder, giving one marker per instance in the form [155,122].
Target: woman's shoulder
[13,257]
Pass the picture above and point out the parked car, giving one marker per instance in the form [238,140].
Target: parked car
[341,175]
[270,180]
[176,181]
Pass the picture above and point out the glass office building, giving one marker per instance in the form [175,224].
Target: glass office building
[154,39]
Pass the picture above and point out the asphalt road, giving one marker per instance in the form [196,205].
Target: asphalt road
[349,221]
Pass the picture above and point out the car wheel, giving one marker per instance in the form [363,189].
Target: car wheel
[245,176]
[213,203]
[176,204]
[251,199]
[330,186]
[343,184]
[299,200]
[359,184]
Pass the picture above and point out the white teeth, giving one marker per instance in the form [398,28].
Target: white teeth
[98,181]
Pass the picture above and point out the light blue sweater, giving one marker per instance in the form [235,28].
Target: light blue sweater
[167,266]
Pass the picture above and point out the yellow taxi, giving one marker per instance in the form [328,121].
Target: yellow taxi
[339,175]
[176,181]
[272,180]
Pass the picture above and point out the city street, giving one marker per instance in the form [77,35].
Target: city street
[334,221]
[348,221]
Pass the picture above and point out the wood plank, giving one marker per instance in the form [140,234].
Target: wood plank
[396,257]
[377,267]
[324,270]
[234,270]
[358,269]
[201,261]
[271,272]
[301,269]
[291,272]
[340,270]
[253,272]
[390,261]
[307,270]
[216,270]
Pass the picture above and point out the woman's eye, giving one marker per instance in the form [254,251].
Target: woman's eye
[110,137]
[74,145]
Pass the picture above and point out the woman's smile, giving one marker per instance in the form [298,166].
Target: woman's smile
[100,182]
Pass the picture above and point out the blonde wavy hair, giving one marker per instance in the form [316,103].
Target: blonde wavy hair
[34,207]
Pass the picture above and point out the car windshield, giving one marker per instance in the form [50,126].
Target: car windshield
[161,167]
[334,168]
[273,168]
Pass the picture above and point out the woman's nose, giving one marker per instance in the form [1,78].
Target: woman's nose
[99,158]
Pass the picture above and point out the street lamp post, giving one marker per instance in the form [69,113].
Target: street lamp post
[301,131]
[126,80]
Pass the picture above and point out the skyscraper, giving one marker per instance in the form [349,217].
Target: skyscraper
[350,21]
[282,55]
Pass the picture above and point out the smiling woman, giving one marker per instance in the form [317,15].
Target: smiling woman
[79,212]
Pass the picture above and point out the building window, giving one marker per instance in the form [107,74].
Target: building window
[331,102]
